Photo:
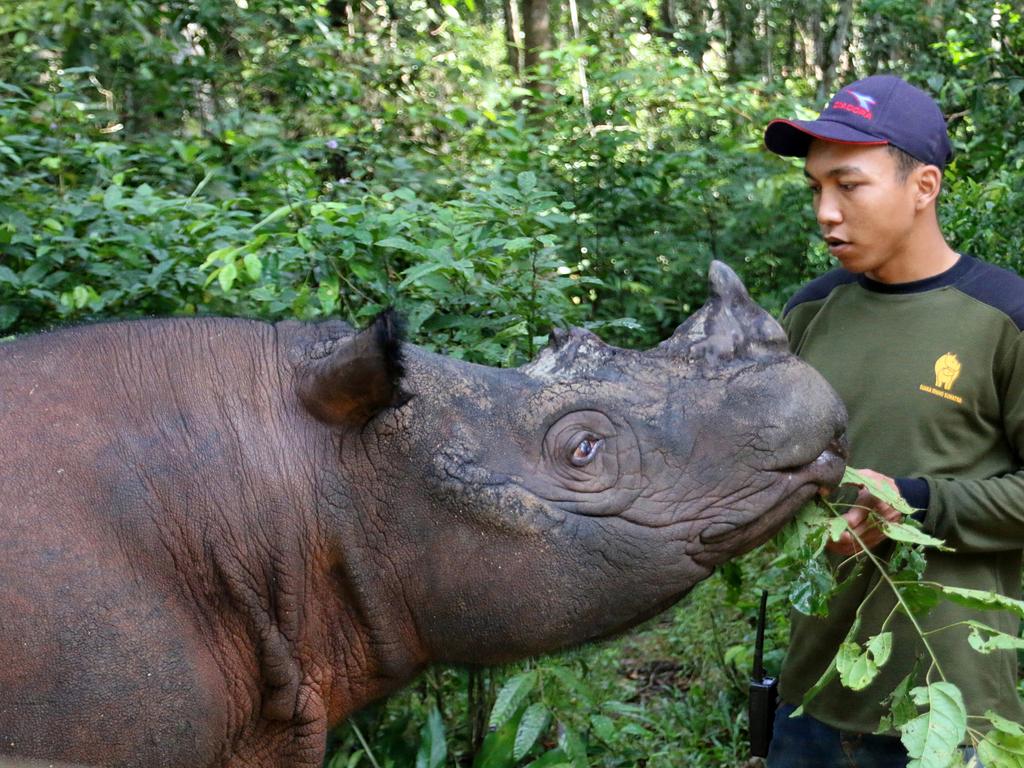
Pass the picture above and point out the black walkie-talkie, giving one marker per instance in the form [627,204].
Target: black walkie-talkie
[764,693]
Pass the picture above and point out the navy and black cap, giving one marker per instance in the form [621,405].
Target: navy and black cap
[878,110]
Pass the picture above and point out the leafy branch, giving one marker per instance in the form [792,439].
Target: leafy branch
[931,718]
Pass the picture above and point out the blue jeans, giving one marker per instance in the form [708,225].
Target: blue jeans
[803,742]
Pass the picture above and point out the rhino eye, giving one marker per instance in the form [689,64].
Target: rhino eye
[585,451]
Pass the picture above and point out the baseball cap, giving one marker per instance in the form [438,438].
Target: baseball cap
[881,109]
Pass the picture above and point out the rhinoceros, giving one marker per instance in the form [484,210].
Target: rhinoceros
[220,537]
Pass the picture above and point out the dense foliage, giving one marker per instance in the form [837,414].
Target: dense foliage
[305,159]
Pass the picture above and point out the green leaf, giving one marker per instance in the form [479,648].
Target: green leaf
[812,588]
[985,639]
[932,737]
[414,274]
[977,598]
[554,759]
[82,294]
[829,673]
[253,266]
[8,314]
[803,537]
[912,535]
[572,745]
[899,705]
[496,751]
[226,276]
[856,668]
[1002,749]
[8,275]
[278,213]
[511,695]
[399,244]
[574,683]
[527,182]
[532,724]
[880,647]
[920,597]
[1000,722]
[226,254]
[112,197]
[620,322]
[328,292]
[883,492]
[519,244]
[433,748]
[604,727]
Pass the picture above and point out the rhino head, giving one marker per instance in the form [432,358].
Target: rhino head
[497,513]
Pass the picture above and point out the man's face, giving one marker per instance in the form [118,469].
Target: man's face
[865,212]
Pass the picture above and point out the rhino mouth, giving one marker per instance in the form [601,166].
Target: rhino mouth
[796,486]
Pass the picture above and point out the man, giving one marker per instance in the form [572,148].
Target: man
[925,347]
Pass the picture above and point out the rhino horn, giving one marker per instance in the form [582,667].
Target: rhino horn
[729,324]
[359,377]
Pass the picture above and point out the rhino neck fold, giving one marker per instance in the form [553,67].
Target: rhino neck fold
[370,627]
[221,459]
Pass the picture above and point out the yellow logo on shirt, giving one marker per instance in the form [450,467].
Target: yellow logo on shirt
[947,370]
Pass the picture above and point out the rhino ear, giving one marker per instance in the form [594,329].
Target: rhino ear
[359,378]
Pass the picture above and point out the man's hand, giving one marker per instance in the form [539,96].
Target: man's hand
[861,518]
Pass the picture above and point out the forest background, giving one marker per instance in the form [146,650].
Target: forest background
[492,170]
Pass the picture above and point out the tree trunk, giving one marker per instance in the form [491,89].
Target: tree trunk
[513,43]
[696,23]
[839,37]
[536,38]
[667,14]
[817,24]
[791,39]
[741,55]
[665,26]
[581,64]
[767,46]
[342,16]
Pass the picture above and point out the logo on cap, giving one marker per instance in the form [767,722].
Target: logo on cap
[866,102]
[862,107]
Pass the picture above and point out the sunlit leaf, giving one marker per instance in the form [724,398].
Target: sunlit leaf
[398,243]
[857,667]
[911,535]
[417,273]
[526,181]
[932,737]
[433,748]
[519,244]
[253,266]
[278,213]
[879,491]
[511,695]
[572,745]
[532,724]
[977,598]
[985,639]
[227,275]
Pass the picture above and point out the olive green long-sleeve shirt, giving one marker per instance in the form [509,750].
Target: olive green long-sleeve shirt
[932,373]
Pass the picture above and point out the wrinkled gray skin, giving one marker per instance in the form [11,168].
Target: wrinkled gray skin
[221,537]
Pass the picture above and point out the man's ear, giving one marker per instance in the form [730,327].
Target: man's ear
[359,378]
[928,182]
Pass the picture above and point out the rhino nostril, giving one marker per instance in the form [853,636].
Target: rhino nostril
[840,446]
